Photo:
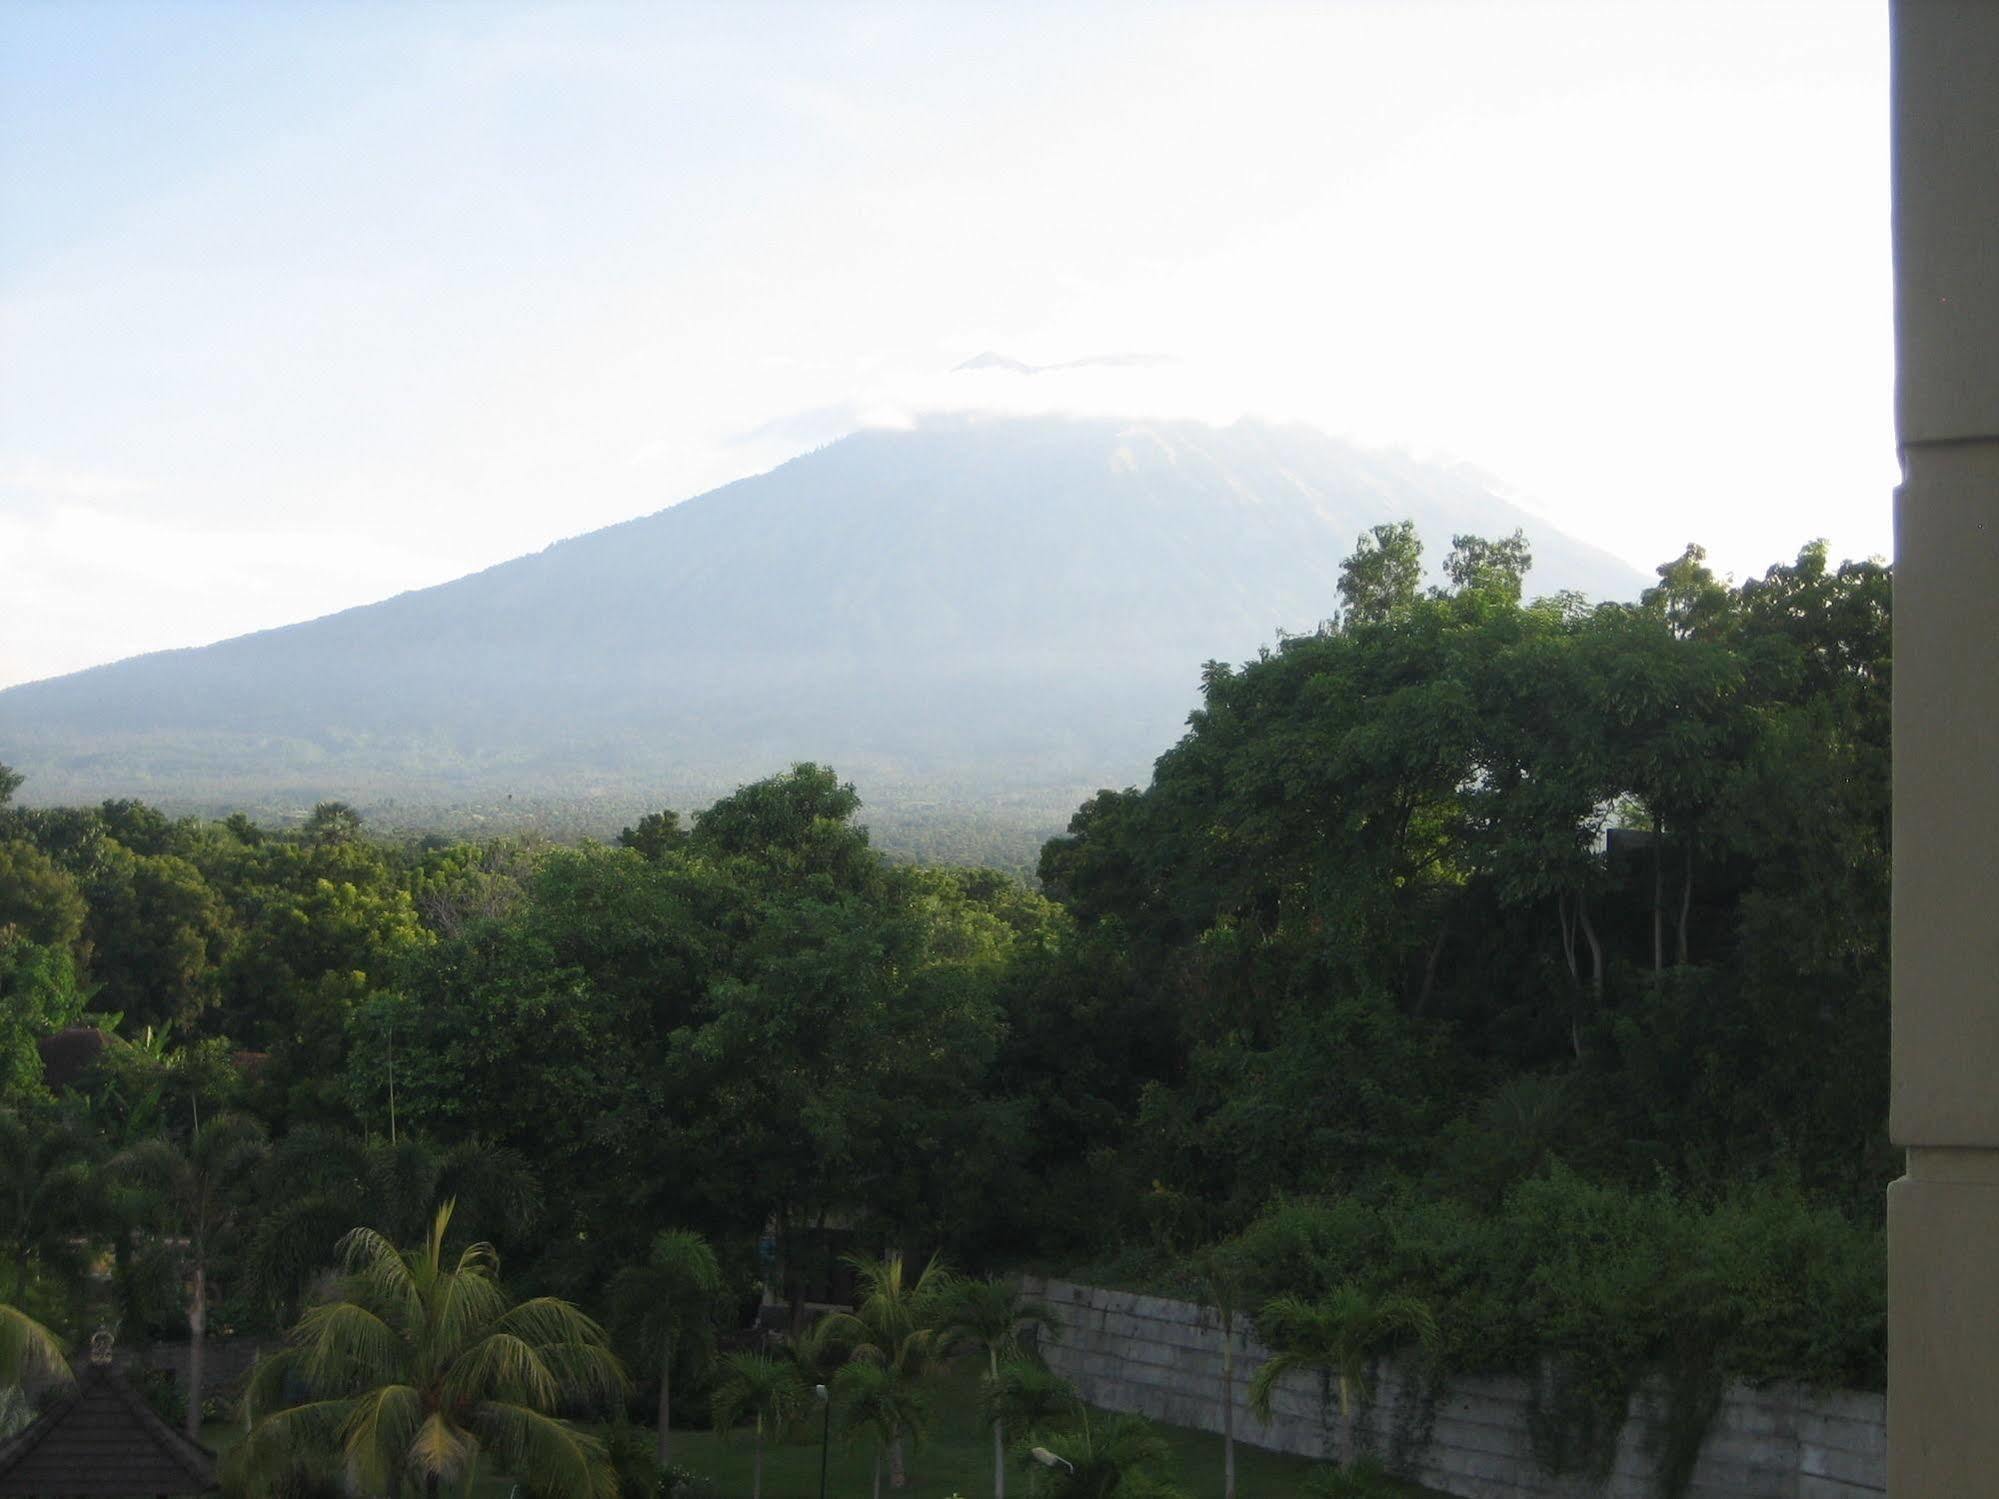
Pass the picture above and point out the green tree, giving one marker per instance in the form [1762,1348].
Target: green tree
[419,1363]
[1382,574]
[1336,1336]
[764,1392]
[995,1318]
[194,1197]
[1108,1454]
[883,1400]
[1220,1284]
[1495,568]
[668,1307]
[898,1327]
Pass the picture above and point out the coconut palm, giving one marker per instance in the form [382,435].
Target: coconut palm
[27,1349]
[418,1364]
[1337,1336]
[194,1199]
[896,1326]
[764,1391]
[882,1400]
[668,1304]
[995,1318]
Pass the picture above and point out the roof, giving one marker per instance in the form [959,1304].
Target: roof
[102,1439]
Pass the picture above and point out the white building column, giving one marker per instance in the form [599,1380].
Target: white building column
[1943,1215]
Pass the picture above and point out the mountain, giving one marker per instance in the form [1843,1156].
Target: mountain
[1004,611]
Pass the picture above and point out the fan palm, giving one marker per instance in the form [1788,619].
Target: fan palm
[1336,1336]
[763,1391]
[418,1364]
[896,1326]
[195,1197]
[668,1303]
[996,1318]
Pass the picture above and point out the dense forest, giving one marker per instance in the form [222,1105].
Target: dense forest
[1526,956]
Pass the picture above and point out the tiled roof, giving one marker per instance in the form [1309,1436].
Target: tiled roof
[99,1441]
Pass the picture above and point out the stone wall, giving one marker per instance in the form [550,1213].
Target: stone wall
[1155,1356]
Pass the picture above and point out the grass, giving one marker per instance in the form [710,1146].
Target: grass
[955,1458]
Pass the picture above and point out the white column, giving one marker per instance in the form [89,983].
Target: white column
[1943,1215]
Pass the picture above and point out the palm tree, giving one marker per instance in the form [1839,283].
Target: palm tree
[1218,1276]
[996,1318]
[764,1391]
[1027,1396]
[896,1326]
[1337,1335]
[669,1304]
[1104,1455]
[320,1181]
[193,1196]
[883,1399]
[418,1364]
[27,1349]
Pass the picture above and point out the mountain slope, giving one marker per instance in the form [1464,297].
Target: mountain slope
[970,607]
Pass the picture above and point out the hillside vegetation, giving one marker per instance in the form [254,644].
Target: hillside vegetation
[1528,958]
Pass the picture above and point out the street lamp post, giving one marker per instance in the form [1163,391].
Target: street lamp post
[825,1433]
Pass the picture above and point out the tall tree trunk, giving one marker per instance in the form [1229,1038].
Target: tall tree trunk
[878,1468]
[1346,1425]
[430,1483]
[197,1327]
[1658,895]
[999,1460]
[1686,902]
[662,1447]
[896,1477]
[1228,1406]
[1430,970]
[1595,947]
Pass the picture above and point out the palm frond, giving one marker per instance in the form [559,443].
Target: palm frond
[549,1455]
[379,1430]
[28,1349]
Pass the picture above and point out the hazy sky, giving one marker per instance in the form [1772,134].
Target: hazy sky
[302,305]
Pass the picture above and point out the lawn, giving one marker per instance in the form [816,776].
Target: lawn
[955,1458]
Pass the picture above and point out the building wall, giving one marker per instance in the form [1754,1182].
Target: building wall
[1163,1359]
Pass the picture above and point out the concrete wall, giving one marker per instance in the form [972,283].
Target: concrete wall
[1154,1356]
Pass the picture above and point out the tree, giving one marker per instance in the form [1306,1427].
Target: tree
[27,1348]
[656,834]
[994,1317]
[896,1327]
[883,1399]
[1108,1453]
[668,1303]
[194,1197]
[1382,574]
[418,1363]
[762,1391]
[1218,1276]
[1337,1336]
[1496,568]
